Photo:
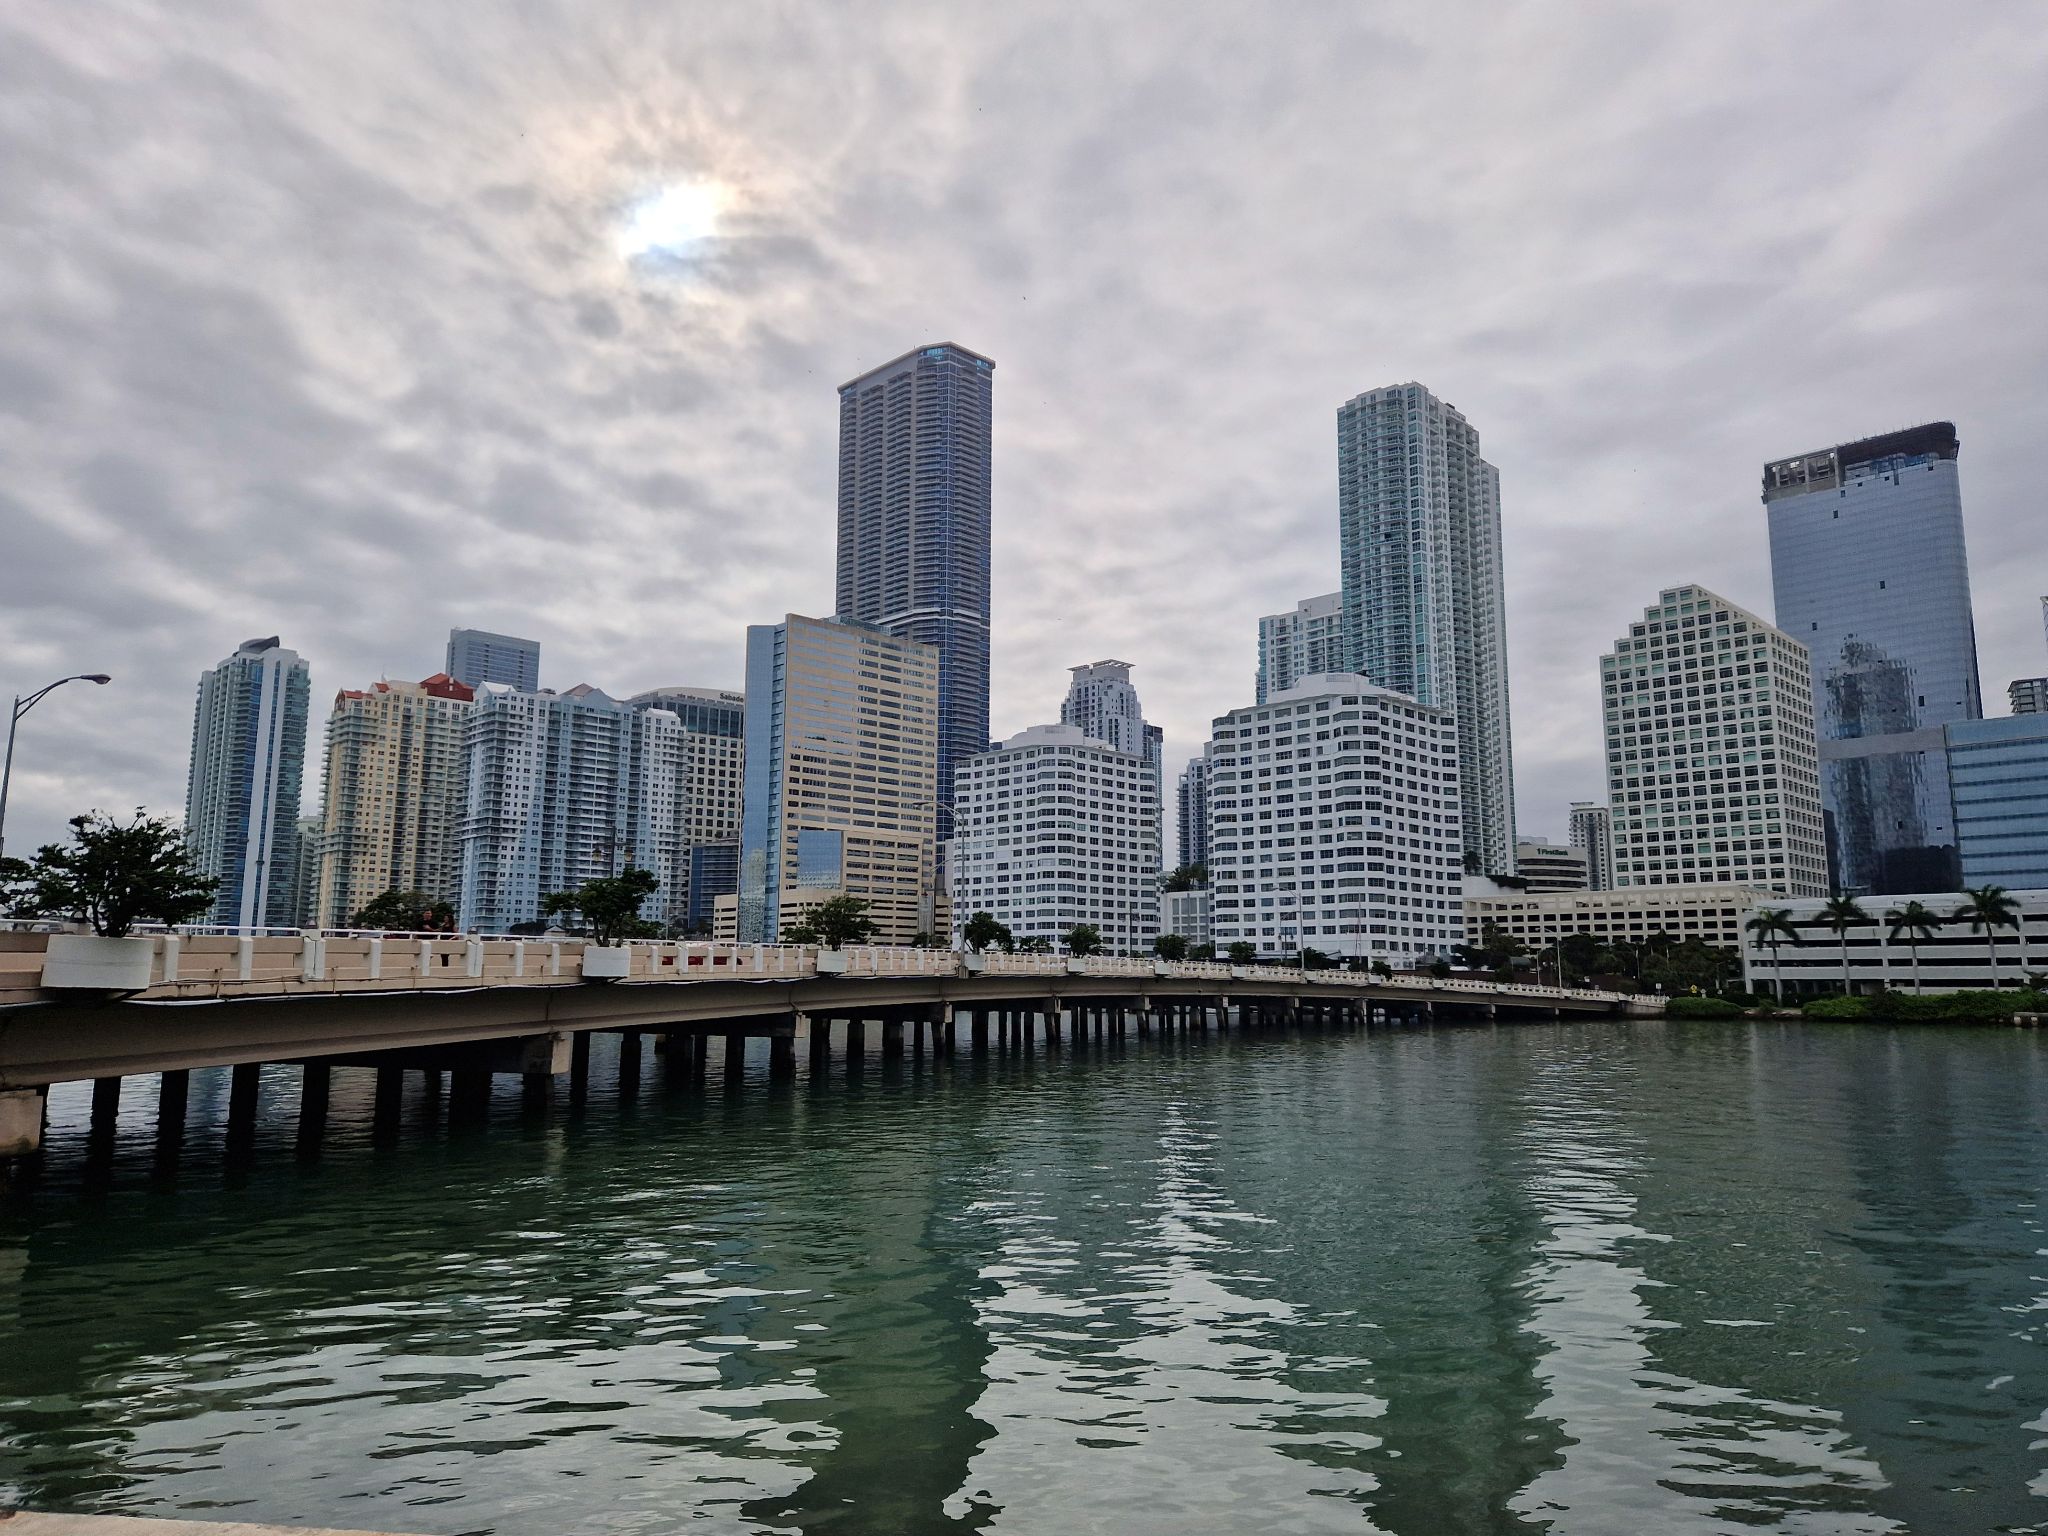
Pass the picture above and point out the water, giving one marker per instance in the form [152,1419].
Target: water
[1581,1278]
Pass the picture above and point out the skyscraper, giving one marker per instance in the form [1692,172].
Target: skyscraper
[1423,608]
[1998,782]
[1193,808]
[2028,695]
[1592,833]
[1712,773]
[710,753]
[914,526]
[841,788]
[1307,639]
[476,657]
[1869,572]
[242,789]
[395,786]
[1102,702]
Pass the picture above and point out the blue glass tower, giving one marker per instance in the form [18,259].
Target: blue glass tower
[1868,570]
[914,526]
[242,788]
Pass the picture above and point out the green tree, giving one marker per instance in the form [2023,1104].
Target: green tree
[608,905]
[1242,953]
[1317,960]
[833,923]
[1170,946]
[1496,948]
[984,932]
[1987,910]
[1915,922]
[1771,927]
[113,875]
[1440,968]
[1583,955]
[1037,944]
[1841,914]
[1384,971]
[1189,877]
[399,911]
[1202,951]
[1082,940]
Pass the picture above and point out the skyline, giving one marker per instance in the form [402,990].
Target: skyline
[376,376]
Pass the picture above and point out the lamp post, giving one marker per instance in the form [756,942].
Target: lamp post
[21,707]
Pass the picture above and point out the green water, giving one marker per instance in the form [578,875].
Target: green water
[1581,1278]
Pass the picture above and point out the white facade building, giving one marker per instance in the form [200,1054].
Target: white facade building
[1713,773]
[1305,641]
[1955,957]
[242,785]
[1053,829]
[1592,834]
[1550,866]
[1334,823]
[1190,915]
[1102,702]
[1713,914]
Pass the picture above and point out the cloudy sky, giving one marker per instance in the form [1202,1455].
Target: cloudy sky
[317,319]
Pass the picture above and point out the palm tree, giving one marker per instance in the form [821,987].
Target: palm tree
[1988,910]
[1841,914]
[1915,922]
[1770,927]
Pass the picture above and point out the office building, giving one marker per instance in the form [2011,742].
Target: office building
[1303,642]
[1869,572]
[396,784]
[1544,864]
[1712,913]
[1333,823]
[710,758]
[1954,957]
[242,785]
[1592,834]
[2029,695]
[1102,703]
[914,445]
[1712,773]
[1192,808]
[565,788]
[1054,829]
[1423,608]
[305,898]
[476,657]
[1998,784]
[714,873]
[841,792]
[1189,915]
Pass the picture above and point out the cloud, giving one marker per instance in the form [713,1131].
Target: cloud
[313,321]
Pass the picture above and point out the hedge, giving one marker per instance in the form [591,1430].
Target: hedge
[1701,1008]
[1931,1007]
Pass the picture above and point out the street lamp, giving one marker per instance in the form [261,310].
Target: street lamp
[21,707]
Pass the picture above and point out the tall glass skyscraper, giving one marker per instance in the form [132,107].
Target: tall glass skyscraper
[242,790]
[914,526]
[477,656]
[1423,610]
[1869,573]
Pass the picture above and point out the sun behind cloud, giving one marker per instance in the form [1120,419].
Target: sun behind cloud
[672,223]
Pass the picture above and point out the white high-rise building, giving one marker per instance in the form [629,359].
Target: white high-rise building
[1102,702]
[1713,772]
[1053,829]
[710,768]
[564,788]
[1544,865]
[1334,823]
[1424,612]
[1300,643]
[242,786]
[1592,833]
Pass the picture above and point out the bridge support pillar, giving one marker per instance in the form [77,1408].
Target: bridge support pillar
[735,1058]
[579,1064]
[172,1091]
[316,1087]
[390,1095]
[817,1029]
[106,1109]
[629,1062]
[977,1031]
[782,1058]
[21,1121]
[892,1039]
[856,1042]
[242,1085]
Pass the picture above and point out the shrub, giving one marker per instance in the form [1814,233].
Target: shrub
[1836,1008]
[1983,1007]
[1701,1008]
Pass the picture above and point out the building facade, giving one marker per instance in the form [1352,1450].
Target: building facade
[1333,816]
[1712,771]
[1713,914]
[1307,640]
[841,789]
[714,873]
[1192,810]
[1189,915]
[1054,829]
[1955,957]
[710,770]
[1998,785]
[565,788]
[476,657]
[1546,865]
[1870,574]
[1102,703]
[1424,612]
[914,473]
[1592,834]
[2029,695]
[242,784]
[395,787]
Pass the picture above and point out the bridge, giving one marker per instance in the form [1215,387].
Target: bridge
[474,1007]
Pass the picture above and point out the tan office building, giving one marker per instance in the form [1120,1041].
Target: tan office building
[1711,913]
[841,787]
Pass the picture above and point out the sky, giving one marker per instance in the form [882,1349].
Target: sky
[351,323]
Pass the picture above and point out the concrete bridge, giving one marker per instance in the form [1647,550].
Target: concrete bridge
[474,1007]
